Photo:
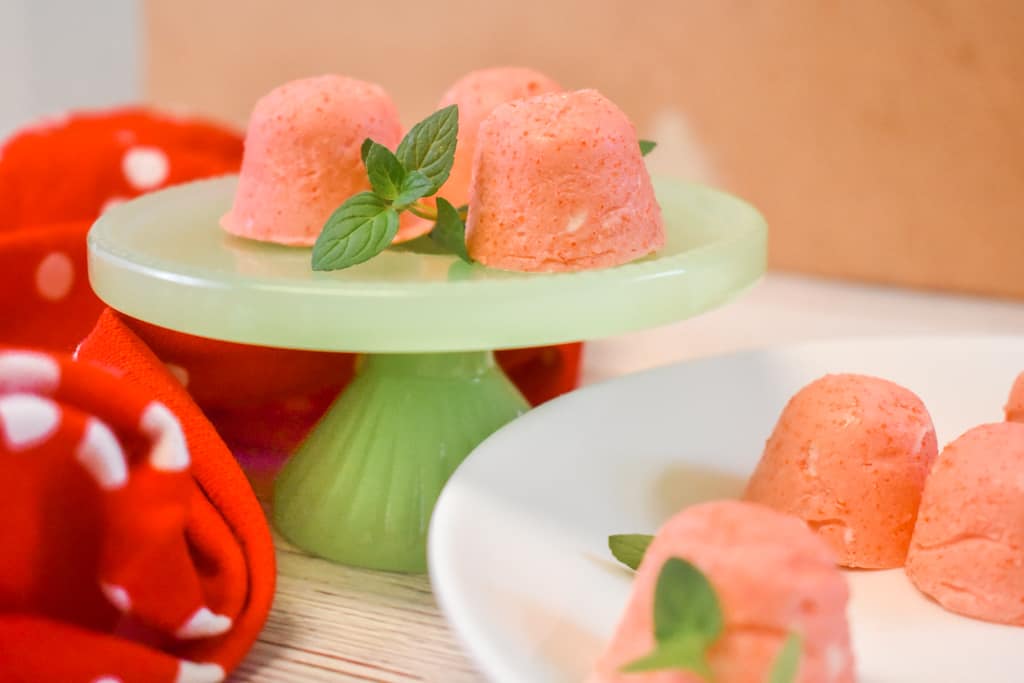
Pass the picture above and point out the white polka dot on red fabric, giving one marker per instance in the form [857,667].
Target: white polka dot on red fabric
[27,420]
[100,453]
[180,373]
[55,276]
[28,371]
[195,672]
[169,453]
[145,168]
[107,679]
[202,624]
[117,596]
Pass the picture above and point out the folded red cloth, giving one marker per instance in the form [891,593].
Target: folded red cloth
[125,555]
[55,180]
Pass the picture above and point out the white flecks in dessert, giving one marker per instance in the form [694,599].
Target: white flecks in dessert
[575,221]
[117,596]
[169,450]
[179,373]
[835,661]
[145,168]
[849,536]
[812,461]
[27,420]
[28,371]
[202,624]
[54,276]
[101,454]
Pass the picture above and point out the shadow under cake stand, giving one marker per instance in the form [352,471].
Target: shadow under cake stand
[362,486]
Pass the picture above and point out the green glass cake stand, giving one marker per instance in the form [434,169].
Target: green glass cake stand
[361,488]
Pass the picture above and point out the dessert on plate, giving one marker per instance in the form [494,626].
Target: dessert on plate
[850,455]
[1015,404]
[773,577]
[967,551]
[559,184]
[302,156]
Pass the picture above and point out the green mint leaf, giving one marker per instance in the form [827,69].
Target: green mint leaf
[414,186]
[787,662]
[647,146]
[688,654]
[357,231]
[450,231]
[629,549]
[429,147]
[687,620]
[365,149]
[385,171]
[685,603]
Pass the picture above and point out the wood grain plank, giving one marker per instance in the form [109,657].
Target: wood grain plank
[333,623]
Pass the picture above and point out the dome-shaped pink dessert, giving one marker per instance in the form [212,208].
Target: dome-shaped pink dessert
[477,94]
[302,156]
[850,455]
[772,576]
[559,184]
[967,552]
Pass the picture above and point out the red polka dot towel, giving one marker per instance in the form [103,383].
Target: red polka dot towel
[135,550]
[133,546]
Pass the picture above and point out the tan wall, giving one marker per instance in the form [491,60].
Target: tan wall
[883,139]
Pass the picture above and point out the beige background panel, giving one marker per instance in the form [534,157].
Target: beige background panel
[882,139]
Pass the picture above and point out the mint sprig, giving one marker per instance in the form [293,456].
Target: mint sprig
[687,621]
[357,231]
[647,146]
[450,231]
[787,662]
[429,146]
[414,186]
[385,170]
[367,223]
[629,549]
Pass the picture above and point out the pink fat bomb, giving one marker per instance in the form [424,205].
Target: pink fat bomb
[967,552]
[1015,405]
[477,94]
[302,156]
[559,184]
[849,456]
[772,575]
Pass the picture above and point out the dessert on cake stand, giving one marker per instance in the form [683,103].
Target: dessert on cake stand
[361,488]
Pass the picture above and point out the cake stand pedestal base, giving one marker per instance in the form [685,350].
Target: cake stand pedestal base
[361,488]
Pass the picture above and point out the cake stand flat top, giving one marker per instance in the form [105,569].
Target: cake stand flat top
[163,258]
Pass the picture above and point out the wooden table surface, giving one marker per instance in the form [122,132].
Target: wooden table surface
[334,623]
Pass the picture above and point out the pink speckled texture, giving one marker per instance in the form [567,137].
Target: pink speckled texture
[967,552]
[850,455]
[772,576]
[559,185]
[1015,404]
[302,156]
[477,94]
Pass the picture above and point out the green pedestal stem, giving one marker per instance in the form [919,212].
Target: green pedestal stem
[361,488]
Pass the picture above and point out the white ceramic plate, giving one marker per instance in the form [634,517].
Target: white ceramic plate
[518,553]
